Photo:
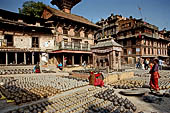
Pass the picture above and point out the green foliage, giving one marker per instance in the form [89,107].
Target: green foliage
[32,8]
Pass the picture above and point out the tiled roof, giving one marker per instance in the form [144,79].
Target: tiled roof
[107,43]
[72,17]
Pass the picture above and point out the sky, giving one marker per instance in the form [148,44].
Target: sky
[155,12]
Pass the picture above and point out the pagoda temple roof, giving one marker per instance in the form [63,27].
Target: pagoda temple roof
[72,17]
[107,43]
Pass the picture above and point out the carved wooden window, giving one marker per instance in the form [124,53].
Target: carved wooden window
[77,34]
[133,41]
[124,43]
[86,34]
[35,42]
[125,51]
[65,31]
[9,40]
[134,51]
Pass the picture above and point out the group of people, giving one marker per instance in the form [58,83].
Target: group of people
[147,64]
[143,64]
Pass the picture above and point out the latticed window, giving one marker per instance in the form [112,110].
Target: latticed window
[86,34]
[35,42]
[134,51]
[77,34]
[9,40]
[125,51]
[65,31]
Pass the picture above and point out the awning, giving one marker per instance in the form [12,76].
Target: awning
[69,51]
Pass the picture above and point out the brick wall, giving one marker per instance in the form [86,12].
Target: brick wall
[22,41]
[46,42]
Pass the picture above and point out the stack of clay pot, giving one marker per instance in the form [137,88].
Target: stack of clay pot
[21,88]
[91,100]
[128,84]
[15,71]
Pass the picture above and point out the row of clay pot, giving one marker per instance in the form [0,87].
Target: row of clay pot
[20,88]
[16,71]
[82,101]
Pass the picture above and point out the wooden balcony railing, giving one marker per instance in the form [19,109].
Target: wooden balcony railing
[72,46]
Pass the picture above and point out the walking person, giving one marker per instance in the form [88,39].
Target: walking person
[138,65]
[154,76]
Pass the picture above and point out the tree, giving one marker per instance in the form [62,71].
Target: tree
[32,8]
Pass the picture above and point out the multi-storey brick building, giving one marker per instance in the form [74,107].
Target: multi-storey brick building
[23,39]
[58,33]
[74,34]
[139,39]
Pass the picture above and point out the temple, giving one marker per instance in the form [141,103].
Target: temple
[65,5]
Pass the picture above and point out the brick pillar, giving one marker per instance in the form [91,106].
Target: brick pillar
[62,44]
[72,59]
[119,60]
[111,60]
[88,59]
[81,46]
[63,60]
[25,58]
[114,60]
[94,60]
[40,57]
[16,62]
[108,67]
[33,58]
[81,59]
[6,58]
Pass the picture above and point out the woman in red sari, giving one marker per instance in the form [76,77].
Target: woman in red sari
[154,76]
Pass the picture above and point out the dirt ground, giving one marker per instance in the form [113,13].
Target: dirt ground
[162,107]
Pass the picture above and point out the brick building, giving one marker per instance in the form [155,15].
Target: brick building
[138,38]
[74,34]
[23,38]
[60,34]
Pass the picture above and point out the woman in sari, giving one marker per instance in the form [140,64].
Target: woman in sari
[154,76]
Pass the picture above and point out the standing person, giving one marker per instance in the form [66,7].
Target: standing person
[84,65]
[138,63]
[160,64]
[65,61]
[60,66]
[146,64]
[154,76]
[37,68]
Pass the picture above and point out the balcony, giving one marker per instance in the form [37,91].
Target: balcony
[72,46]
